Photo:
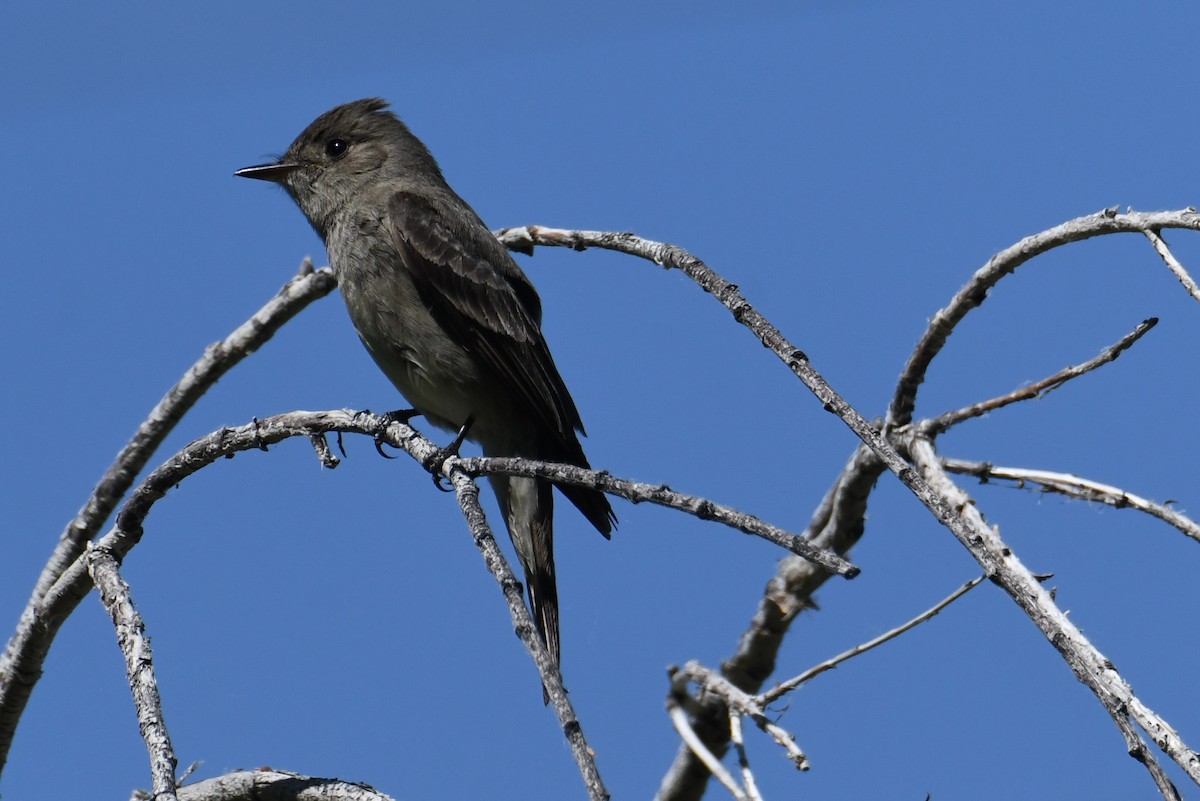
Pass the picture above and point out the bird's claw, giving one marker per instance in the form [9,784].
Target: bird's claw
[397,416]
[435,461]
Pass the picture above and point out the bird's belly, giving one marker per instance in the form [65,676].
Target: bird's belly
[436,375]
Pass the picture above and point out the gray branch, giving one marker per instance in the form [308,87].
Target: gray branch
[128,529]
[267,784]
[139,668]
[23,657]
[1089,665]
[1038,389]
[1075,487]
[662,495]
[467,492]
[686,778]
[1108,221]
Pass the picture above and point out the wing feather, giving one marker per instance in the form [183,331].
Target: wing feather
[475,290]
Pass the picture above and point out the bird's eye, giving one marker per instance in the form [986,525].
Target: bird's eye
[336,148]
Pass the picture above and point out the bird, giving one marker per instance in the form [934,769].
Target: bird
[447,315]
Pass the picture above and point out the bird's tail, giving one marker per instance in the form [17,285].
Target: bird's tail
[528,506]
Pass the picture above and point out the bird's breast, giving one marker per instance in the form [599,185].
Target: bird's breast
[436,375]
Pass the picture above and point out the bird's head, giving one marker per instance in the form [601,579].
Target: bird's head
[341,155]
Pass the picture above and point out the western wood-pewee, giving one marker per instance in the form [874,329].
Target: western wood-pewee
[445,312]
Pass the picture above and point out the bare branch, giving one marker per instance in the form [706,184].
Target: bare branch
[686,778]
[661,495]
[1038,389]
[935,500]
[691,741]
[260,434]
[267,784]
[139,669]
[21,663]
[1075,487]
[1089,665]
[1108,221]
[307,286]
[673,257]
[467,492]
[1135,746]
[324,454]
[740,703]
[74,583]
[781,689]
[739,747]
[1177,269]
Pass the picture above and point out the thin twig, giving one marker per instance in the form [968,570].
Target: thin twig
[661,495]
[324,453]
[1038,389]
[943,323]
[307,286]
[1075,487]
[836,525]
[739,747]
[781,689]
[742,703]
[1177,269]
[680,721]
[74,583]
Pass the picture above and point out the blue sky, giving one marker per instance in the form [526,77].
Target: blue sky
[847,165]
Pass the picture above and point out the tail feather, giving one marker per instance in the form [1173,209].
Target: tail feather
[528,507]
[540,580]
[593,504]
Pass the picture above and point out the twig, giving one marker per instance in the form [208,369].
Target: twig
[662,495]
[1177,269]
[324,453]
[680,721]
[1107,221]
[306,286]
[1075,487]
[943,422]
[74,583]
[840,519]
[739,747]
[836,525]
[739,702]
[781,689]
[139,669]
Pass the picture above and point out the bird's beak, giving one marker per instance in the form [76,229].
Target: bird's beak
[269,172]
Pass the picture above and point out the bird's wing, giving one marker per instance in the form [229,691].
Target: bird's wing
[478,294]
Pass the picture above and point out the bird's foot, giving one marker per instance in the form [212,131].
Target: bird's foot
[434,463]
[398,416]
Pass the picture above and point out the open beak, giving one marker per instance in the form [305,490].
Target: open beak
[275,173]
